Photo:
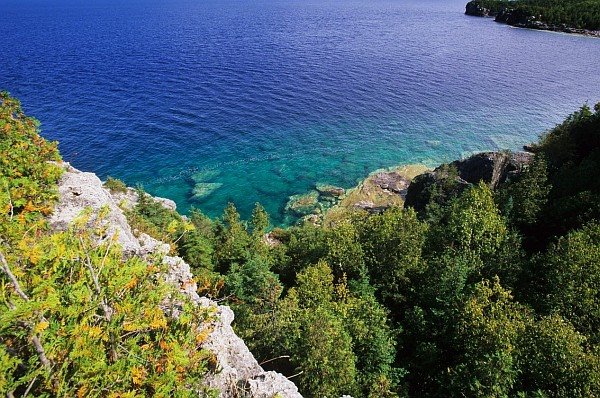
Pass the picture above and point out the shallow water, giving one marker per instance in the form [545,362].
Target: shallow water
[268,98]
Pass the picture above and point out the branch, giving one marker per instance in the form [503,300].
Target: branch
[297,374]
[34,339]
[29,387]
[12,208]
[108,312]
[105,307]
[180,236]
[12,278]
[274,359]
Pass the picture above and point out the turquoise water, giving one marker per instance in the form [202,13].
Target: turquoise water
[268,98]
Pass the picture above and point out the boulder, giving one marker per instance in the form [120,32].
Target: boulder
[330,191]
[370,207]
[493,168]
[392,182]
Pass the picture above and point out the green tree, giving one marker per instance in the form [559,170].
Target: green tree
[523,199]
[553,359]
[471,222]
[392,243]
[344,252]
[259,224]
[232,240]
[567,277]
[325,356]
[489,326]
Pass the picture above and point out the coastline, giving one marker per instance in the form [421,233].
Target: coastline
[556,29]
[411,184]
[506,17]
[328,204]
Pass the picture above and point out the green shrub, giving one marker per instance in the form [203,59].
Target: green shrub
[28,175]
[115,185]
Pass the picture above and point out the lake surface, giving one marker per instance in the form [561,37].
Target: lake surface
[268,98]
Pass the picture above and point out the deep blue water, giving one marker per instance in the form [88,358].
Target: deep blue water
[270,97]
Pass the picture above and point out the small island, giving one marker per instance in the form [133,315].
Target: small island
[568,16]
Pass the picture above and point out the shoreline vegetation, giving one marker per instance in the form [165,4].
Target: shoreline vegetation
[570,16]
[483,283]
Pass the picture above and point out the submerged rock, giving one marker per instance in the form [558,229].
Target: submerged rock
[203,189]
[304,204]
[205,175]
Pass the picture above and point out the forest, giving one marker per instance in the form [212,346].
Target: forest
[482,293]
[579,14]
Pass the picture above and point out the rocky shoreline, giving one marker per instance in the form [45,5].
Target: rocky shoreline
[406,186]
[378,191]
[519,20]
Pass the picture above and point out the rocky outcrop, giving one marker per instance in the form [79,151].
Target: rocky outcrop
[370,207]
[81,191]
[439,185]
[520,19]
[475,9]
[330,191]
[493,168]
[392,182]
[449,180]
[237,374]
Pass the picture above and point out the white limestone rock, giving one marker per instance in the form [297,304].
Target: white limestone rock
[238,373]
[79,191]
[130,197]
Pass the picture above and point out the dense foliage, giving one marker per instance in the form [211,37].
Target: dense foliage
[480,294]
[76,318]
[483,293]
[581,14]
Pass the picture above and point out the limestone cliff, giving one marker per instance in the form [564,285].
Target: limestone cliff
[237,374]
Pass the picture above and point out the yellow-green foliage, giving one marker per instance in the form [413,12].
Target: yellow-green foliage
[27,180]
[76,318]
[104,324]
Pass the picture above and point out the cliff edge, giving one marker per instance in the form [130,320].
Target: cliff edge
[237,373]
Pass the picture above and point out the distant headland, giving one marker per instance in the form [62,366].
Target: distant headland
[568,16]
